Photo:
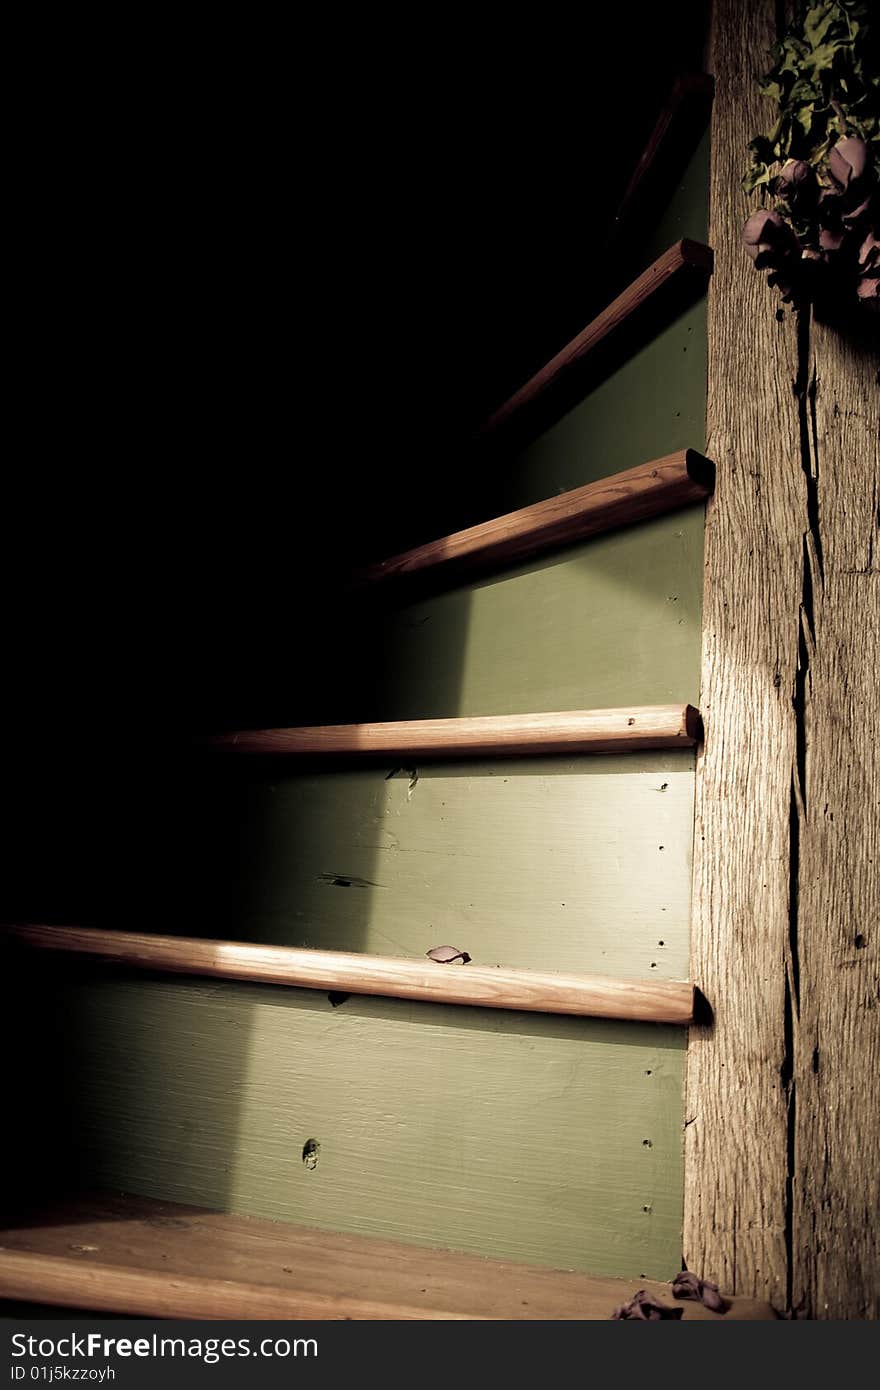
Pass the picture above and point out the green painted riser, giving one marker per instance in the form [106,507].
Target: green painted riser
[612,621]
[562,864]
[542,1139]
[653,404]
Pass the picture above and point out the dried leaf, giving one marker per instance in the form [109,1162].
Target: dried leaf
[820,161]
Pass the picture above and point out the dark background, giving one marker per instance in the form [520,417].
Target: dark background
[275,295]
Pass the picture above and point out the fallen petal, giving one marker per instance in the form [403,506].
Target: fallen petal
[644,1307]
[448,955]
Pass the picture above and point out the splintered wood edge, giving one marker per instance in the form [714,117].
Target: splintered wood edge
[595,996]
[630,729]
[635,494]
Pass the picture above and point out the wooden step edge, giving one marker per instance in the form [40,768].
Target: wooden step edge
[148,1257]
[681,260]
[482,986]
[634,728]
[681,121]
[649,489]
[71,1283]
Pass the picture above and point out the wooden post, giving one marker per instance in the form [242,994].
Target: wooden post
[782,1145]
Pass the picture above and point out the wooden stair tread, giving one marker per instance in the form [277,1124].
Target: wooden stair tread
[484,986]
[632,728]
[151,1258]
[649,489]
[681,120]
[684,258]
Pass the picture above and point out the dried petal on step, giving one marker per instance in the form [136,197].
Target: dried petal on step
[644,1307]
[448,955]
[691,1286]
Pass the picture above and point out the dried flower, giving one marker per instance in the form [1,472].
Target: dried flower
[848,160]
[691,1286]
[645,1307]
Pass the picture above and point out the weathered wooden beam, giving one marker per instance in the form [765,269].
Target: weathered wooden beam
[649,489]
[737,1114]
[493,987]
[782,1146]
[835,1135]
[630,729]
[685,258]
[145,1258]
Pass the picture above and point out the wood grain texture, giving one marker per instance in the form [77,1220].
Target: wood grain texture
[521,1136]
[595,996]
[836,1027]
[736,1136]
[685,257]
[163,1259]
[619,499]
[780,1190]
[574,731]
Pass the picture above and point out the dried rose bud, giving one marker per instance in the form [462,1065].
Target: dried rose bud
[763,232]
[869,252]
[448,955]
[848,160]
[795,181]
[830,240]
[869,289]
[796,171]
